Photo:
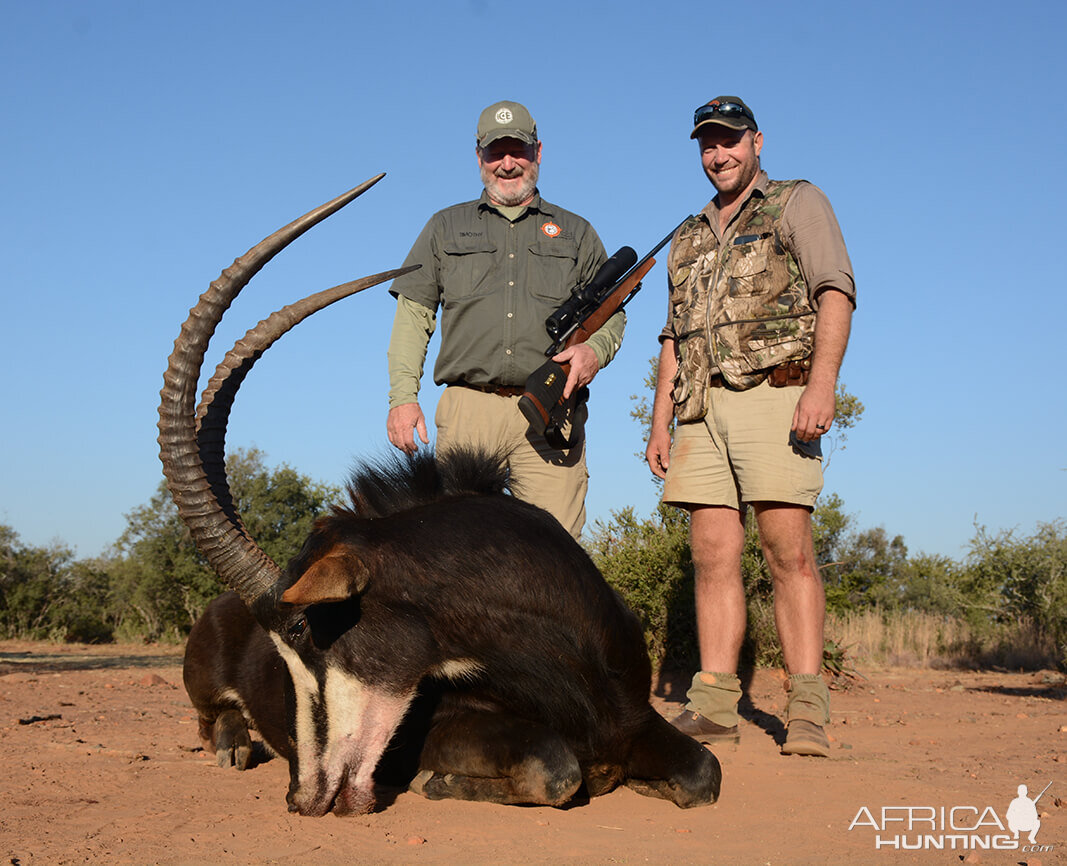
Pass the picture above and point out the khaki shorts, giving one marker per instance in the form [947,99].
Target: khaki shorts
[554,480]
[743,451]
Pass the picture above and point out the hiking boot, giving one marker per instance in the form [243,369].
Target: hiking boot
[806,738]
[704,730]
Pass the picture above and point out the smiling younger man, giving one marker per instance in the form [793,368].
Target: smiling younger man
[497,267]
[762,294]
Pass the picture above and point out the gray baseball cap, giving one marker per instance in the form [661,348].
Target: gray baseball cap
[506,120]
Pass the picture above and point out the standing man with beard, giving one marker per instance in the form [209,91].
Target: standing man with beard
[497,267]
[761,293]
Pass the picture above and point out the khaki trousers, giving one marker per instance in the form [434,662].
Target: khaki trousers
[554,480]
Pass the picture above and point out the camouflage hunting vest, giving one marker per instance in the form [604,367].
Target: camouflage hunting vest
[741,307]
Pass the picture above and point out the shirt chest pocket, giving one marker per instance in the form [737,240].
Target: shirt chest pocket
[552,269]
[468,266]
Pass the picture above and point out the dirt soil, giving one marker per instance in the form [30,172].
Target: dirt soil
[101,764]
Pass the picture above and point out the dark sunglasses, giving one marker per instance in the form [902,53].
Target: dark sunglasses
[723,109]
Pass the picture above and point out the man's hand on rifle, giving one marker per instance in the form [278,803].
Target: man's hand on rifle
[583,367]
[401,421]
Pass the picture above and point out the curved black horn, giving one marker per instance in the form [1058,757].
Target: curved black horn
[216,530]
[216,401]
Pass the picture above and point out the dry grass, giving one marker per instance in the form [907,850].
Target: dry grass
[913,639]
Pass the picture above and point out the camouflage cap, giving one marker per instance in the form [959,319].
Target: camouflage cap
[729,111]
[506,120]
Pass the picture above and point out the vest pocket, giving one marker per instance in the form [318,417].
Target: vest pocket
[752,345]
[745,267]
[690,386]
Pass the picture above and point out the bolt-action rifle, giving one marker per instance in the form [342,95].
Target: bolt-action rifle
[577,319]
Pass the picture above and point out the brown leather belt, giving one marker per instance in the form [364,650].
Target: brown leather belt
[789,373]
[499,390]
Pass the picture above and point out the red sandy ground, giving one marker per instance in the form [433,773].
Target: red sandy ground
[101,764]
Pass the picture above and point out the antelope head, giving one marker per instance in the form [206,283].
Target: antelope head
[334,766]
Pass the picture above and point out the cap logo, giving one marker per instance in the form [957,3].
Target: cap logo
[504,116]
[550,229]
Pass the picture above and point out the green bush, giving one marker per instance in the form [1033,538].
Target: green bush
[649,563]
[1008,579]
[33,581]
[160,581]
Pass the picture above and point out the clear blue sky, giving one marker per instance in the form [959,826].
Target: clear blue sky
[145,145]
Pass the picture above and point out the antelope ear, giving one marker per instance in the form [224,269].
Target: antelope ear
[337,576]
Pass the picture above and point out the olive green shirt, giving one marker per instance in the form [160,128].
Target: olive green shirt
[495,281]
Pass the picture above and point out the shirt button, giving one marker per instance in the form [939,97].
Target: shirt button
[511,282]
[511,255]
[507,351]
[510,315]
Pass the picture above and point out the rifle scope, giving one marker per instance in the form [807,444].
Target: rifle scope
[586,298]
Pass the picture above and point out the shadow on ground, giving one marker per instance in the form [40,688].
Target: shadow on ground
[41,663]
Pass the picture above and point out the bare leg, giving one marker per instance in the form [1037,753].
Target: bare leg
[799,600]
[717,536]
[799,613]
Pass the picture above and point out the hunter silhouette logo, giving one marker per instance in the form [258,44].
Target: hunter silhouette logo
[1022,814]
[955,828]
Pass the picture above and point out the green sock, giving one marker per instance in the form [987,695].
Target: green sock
[809,699]
[715,695]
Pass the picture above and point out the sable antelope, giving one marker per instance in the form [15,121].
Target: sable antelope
[532,675]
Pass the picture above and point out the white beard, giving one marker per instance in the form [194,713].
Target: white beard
[518,195]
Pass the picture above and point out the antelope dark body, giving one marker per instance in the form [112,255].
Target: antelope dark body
[437,628]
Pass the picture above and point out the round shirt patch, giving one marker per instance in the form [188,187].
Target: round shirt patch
[551,229]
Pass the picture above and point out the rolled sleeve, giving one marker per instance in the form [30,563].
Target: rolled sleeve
[812,234]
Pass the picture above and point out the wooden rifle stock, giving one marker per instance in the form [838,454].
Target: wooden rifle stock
[549,379]
[612,303]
